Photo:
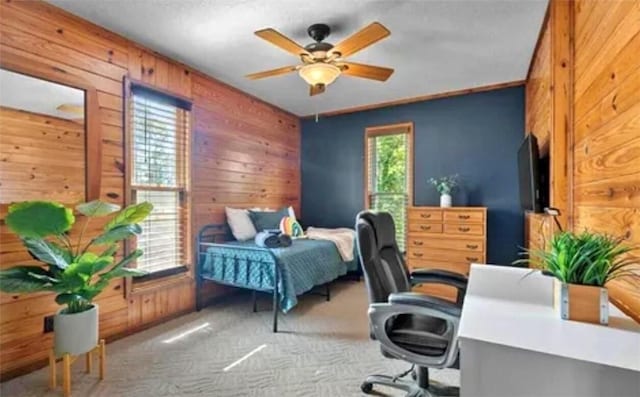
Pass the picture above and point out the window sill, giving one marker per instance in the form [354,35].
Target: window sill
[160,280]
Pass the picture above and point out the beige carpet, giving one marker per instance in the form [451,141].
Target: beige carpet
[323,349]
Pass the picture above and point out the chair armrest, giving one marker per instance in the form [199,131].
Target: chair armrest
[426,301]
[419,305]
[438,276]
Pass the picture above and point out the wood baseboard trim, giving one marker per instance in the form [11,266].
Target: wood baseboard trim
[14,373]
[421,98]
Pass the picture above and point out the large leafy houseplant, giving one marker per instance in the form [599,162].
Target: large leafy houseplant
[584,259]
[76,273]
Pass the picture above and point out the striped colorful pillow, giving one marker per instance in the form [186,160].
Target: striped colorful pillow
[290,227]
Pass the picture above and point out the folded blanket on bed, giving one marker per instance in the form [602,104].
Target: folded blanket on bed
[272,238]
[343,238]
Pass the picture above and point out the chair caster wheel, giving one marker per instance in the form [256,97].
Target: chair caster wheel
[366,387]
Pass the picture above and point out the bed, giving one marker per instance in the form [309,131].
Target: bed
[285,273]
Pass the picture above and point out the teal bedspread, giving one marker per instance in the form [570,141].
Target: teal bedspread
[303,265]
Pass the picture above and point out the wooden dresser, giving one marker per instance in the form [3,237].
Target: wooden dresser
[446,238]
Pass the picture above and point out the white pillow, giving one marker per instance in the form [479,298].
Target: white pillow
[292,213]
[241,226]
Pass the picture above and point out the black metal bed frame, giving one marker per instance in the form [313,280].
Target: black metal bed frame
[218,234]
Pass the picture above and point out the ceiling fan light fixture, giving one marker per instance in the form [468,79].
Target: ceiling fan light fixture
[323,62]
[319,73]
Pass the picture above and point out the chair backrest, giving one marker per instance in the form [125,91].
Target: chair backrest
[384,268]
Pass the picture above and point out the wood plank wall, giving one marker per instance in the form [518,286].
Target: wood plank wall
[538,121]
[246,154]
[538,92]
[27,136]
[603,151]
[606,151]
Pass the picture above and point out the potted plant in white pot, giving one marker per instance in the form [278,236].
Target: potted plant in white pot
[582,264]
[77,274]
[445,186]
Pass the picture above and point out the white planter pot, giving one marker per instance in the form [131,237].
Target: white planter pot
[445,200]
[75,333]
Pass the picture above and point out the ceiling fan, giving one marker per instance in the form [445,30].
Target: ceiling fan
[323,62]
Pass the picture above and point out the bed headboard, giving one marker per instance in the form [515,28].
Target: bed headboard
[215,233]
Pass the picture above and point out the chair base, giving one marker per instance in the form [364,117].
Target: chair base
[412,388]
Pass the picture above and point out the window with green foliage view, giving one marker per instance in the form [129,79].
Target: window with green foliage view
[159,175]
[389,176]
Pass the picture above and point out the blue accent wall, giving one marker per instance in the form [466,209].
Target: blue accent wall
[476,136]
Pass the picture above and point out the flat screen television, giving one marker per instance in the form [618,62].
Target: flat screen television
[531,197]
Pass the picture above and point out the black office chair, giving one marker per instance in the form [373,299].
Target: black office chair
[413,327]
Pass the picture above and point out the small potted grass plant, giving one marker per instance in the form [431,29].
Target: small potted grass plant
[582,264]
[75,273]
[445,186]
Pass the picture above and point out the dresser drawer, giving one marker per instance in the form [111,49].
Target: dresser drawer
[417,214]
[464,229]
[456,267]
[465,216]
[425,227]
[430,254]
[466,245]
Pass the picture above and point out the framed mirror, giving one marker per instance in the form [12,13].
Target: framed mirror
[50,141]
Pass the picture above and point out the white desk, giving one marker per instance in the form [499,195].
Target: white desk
[513,343]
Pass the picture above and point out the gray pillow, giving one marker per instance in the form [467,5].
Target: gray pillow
[264,220]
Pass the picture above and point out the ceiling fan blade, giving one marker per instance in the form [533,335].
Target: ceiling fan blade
[365,71]
[316,89]
[361,39]
[279,40]
[271,73]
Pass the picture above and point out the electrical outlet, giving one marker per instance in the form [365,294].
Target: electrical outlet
[48,324]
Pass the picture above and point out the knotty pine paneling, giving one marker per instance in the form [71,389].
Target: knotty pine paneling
[602,148]
[538,92]
[245,154]
[27,136]
[607,126]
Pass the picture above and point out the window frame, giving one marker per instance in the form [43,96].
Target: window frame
[391,129]
[179,273]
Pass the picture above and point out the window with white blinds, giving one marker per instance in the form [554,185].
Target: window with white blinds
[158,160]
[389,174]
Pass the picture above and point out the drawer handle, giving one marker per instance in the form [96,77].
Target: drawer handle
[424,227]
[417,254]
[427,216]
[472,246]
[417,242]
[464,229]
[472,259]
[464,216]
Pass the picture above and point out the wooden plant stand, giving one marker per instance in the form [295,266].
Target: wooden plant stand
[68,359]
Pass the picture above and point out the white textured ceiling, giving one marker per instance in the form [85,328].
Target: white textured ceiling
[435,46]
[34,95]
